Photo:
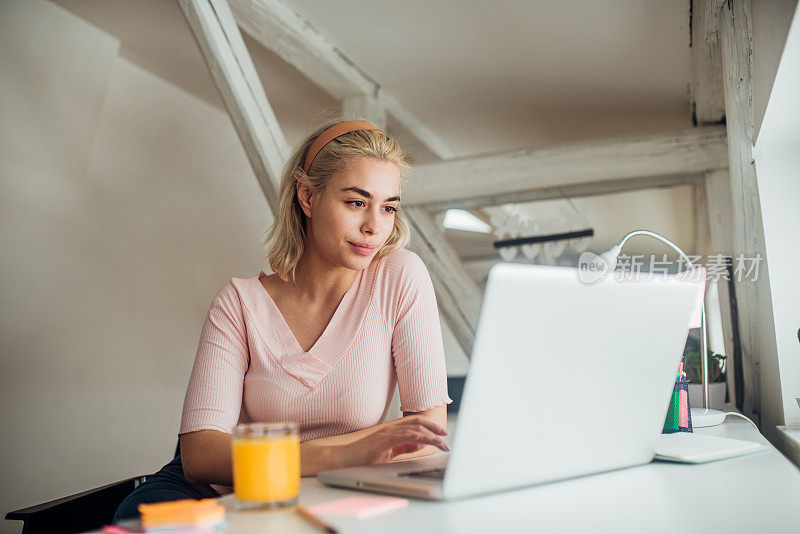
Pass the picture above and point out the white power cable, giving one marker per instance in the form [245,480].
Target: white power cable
[737,414]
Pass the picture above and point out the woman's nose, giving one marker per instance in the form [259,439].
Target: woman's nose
[371,223]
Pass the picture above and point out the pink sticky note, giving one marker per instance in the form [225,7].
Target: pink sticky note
[116,529]
[359,507]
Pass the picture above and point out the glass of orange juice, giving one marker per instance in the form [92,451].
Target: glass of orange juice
[266,465]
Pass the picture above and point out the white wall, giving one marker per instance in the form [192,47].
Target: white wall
[125,204]
[777,159]
[779,191]
[771,20]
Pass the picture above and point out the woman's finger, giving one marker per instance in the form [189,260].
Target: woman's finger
[406,448]
[426,437]
[427,423]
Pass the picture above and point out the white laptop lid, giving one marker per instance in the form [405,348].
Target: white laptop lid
[566,378]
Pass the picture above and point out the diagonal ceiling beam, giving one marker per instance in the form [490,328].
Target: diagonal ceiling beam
[706,90]
[291,36]
[627,161]
[458,296]
[231,67]
[286,32]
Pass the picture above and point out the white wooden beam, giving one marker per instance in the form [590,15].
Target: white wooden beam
[569,191]
[706,88]
[294,38]
[478,268]
[736,45]
[291,36]
[229,62]
[457,294]
[718,193]
[701,238]
[756,322]
[657,159]
[365,107]
[416,127]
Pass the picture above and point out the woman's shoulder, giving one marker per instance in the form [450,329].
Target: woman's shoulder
[401,273]
[402,279]
[237,292]
[402,264]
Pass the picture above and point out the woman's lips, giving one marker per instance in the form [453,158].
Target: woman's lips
[363,250]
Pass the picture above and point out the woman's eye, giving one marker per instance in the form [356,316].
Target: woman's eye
[361,204]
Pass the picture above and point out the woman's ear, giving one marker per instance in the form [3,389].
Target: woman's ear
[305,195]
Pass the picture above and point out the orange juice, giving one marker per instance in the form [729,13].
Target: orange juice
[266,467]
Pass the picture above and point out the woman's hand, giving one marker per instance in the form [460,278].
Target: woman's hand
[404,435]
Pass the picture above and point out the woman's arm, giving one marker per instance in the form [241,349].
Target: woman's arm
[206,454]
[206,457]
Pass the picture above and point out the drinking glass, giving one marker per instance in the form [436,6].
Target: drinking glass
[266,465]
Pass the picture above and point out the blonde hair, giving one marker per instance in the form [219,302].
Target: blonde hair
[286,238]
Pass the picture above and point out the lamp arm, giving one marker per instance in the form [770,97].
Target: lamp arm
[704,337]
[654,235]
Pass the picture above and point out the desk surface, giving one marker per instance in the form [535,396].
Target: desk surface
[755,493]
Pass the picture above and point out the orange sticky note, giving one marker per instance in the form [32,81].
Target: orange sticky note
[184,513]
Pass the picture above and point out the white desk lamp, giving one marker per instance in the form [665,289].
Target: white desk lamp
[704,416]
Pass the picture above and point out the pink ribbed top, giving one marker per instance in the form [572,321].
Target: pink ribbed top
[249,366]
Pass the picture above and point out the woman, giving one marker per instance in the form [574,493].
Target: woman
[347,314]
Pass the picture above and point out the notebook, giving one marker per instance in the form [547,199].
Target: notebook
[694,448]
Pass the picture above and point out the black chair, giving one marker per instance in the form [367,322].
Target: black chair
[455,388]
[88,510]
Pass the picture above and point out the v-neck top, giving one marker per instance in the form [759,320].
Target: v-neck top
[249,366]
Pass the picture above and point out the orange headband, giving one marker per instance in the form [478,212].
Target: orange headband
[332,133]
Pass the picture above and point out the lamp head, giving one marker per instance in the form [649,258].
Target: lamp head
[593,267]
[610,257]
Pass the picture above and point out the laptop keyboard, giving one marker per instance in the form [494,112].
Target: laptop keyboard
[430,474]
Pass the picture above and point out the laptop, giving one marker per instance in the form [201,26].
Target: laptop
[566,379]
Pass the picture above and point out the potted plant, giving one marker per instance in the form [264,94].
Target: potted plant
[694,372]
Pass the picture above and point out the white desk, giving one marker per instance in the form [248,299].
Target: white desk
[755,493]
